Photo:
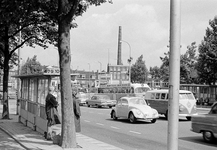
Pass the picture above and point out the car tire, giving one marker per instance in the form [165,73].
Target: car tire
[208,136]
[110,106]
[132,118]
[114,115]
[88,105]
[188,118]
[153,120]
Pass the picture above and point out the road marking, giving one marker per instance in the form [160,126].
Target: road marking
[100,124]
[114,127]
[86,120]
[135,132]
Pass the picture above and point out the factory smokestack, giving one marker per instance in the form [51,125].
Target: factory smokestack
[119,61]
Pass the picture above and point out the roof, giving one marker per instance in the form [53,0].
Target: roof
[166,91]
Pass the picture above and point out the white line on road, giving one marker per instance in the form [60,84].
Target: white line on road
[114,127]
[135,132]
[100,124]
[86,121]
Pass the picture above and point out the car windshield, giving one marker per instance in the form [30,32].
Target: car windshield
[104,97]
[188,96]
[141,90]
[138,101]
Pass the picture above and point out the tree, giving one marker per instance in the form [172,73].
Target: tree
[139,71]
[32,66]
[187,65]
[207,59]
[155,73]
[23,17]
[63,13]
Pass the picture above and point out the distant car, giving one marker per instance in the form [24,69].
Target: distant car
[206,124]
[82,98]
[100,101]
[134,108]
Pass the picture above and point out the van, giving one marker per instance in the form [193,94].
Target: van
[158,99]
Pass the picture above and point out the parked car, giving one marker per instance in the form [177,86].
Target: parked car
[82,98]
[206,124]
[134,108]
[99,100]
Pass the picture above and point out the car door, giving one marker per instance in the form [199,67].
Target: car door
[124,108]
[212,118]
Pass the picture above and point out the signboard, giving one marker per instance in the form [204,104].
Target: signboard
[52,71]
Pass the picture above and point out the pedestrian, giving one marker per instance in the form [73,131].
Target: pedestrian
[51,105]
[77,112]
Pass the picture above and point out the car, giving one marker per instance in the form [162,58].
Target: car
[206,124]
[82,98]
[134,108]
[100,100]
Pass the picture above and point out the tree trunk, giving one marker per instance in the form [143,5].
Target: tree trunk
[68,126]
[5,114]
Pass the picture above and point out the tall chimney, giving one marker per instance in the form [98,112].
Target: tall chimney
[119,61]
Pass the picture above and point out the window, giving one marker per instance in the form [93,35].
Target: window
[163,95]
[124,102]
[152,95]
[24,91]
[157,96]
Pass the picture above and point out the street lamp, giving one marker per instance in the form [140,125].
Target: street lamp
[100,65]
[129,60]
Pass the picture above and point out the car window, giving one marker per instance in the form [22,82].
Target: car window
[124,102]
[214,109]
[152,95]
[163,95]
[138,101]
[93,98]
[157,96]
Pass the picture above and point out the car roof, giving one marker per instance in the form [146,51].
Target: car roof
[166,91]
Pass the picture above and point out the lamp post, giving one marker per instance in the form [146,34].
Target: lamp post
[129,60]
[100,66]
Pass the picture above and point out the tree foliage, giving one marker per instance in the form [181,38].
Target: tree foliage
[139,71]
[21,23]
[207,59]
[32,66]
[187,65]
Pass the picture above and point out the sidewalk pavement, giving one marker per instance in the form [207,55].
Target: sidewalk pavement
[31,140]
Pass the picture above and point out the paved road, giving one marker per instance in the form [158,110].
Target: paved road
[96,123]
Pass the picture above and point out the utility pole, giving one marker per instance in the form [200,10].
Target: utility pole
[174,79]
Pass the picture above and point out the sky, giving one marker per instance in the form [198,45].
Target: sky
[145,27]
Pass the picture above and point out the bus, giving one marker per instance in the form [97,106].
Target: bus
[118,91]
[158,99]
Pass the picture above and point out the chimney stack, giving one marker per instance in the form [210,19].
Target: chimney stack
[119,61]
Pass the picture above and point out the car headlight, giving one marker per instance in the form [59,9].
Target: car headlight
[181,107]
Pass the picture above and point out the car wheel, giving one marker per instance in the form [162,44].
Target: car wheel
[188,118]
[114,115]
[208,136]
[88,105]
[132,118]
[153,120]
[110,106]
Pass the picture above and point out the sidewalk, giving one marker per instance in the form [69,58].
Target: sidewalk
[32,140]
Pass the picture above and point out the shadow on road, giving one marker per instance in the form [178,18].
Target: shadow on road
[198,140]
